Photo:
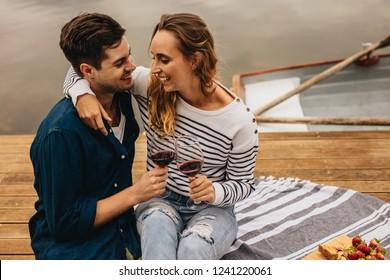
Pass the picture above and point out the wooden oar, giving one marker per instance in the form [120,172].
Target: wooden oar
[332,70]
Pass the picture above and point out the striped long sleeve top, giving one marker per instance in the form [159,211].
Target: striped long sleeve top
[228,138]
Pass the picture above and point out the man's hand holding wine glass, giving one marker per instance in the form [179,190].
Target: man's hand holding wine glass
[151,184]
[162,152]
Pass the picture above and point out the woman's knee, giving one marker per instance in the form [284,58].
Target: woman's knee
[157,214]
[208,235]
[196,242]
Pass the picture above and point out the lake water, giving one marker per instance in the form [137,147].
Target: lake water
[251,35]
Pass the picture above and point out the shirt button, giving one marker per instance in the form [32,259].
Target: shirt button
[123,156]
[110,130]
[115,185]
[121,230]
[248,110]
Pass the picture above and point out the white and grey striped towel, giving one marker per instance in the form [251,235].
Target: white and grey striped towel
[289,218]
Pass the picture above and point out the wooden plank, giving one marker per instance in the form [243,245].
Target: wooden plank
[342,135]
[139,156]
[17,178]
[322,153]
[139,165]
[327,144]
[16,167]
[14,231]
[14,157]
[360,186]
[324,120]
[17,257]
[16,139]
[16,215]
[137,176]
[323,164]
[375,134]
[17,190]
[14,149]
[15,247]
[382,196]
[337,175]
[17,202]
[358,160]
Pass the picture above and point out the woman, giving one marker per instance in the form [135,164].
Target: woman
[182,97]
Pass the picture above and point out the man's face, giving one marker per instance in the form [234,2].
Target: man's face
[115,73]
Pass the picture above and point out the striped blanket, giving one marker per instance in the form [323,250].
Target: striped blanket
[289,218]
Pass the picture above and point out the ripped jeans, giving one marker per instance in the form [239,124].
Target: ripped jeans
[169,230]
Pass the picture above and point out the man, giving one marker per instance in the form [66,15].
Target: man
[82,177]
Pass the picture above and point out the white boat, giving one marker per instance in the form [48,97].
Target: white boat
[357,97]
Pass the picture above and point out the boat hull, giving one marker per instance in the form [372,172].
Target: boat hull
[358,92]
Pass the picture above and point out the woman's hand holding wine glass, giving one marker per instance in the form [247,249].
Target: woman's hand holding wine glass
[189,160]
[202,189]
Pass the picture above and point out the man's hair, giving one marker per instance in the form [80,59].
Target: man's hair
[85,38]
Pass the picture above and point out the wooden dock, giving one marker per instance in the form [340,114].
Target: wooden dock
[359,160]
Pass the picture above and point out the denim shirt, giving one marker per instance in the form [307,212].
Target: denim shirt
[74,167]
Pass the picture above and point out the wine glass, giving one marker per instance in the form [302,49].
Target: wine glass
[162,152]
[189,160]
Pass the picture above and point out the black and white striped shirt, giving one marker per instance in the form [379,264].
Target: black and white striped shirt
[228,138]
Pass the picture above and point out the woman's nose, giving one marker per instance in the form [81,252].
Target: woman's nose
[154,68]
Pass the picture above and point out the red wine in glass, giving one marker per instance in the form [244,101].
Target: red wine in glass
[163,158]
[162,152]
[189,160]
[191,167]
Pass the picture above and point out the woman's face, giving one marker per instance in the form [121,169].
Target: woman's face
[169,64]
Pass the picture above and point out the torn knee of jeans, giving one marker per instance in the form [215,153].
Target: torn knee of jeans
[162,208]
[202,230]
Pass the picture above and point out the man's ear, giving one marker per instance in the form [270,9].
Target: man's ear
[87,70]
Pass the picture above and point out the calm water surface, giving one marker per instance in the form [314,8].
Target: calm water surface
[250,34]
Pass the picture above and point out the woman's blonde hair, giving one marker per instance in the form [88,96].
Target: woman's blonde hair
[193,37]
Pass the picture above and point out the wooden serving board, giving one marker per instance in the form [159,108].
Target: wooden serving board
[340,241]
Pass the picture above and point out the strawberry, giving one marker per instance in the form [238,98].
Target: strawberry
[381,250]
[360,255]
[374,243]
[362,247]
[361,251]
[352,255]
[371,257]
[380,256]
[356,240]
